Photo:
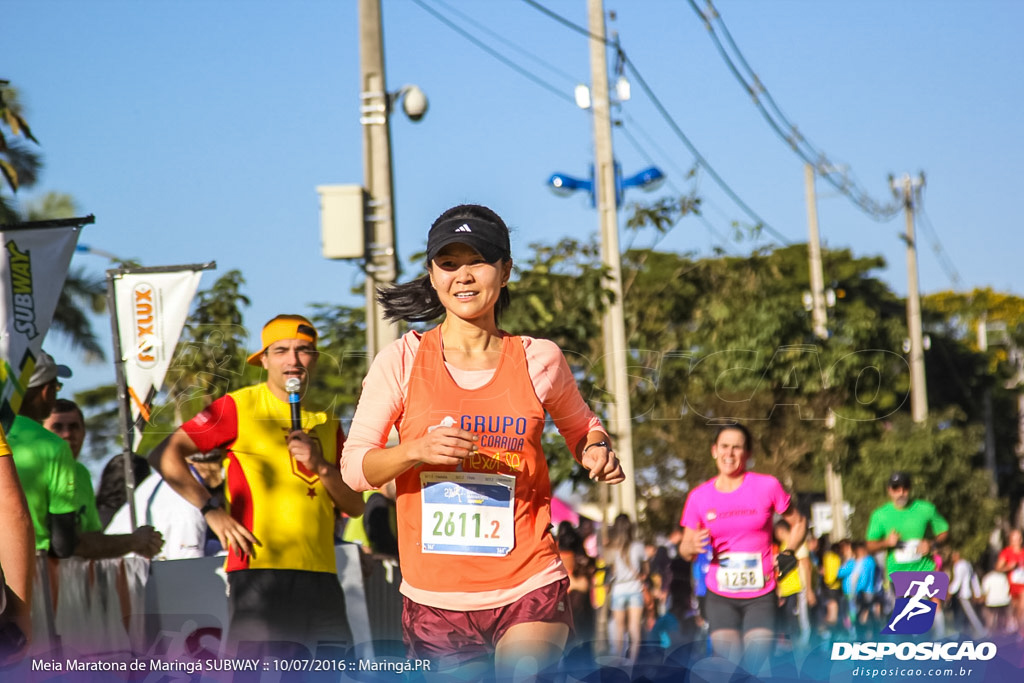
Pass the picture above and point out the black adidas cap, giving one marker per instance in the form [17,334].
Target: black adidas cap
[489,239]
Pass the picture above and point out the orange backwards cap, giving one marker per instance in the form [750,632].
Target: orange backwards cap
[284,327]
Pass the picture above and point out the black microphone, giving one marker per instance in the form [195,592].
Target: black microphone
[292,386]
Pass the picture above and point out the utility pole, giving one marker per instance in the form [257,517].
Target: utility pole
[818,313]
[614,324]
[908,188]
[381,263]
[819,316]
[990,436]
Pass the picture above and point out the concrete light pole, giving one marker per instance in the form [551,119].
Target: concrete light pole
[381,262]
[371,208]
[908,189]
[833,480]
[614,325]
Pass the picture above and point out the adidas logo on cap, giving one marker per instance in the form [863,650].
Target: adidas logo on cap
[463,228]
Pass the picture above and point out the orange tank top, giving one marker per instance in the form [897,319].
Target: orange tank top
[484,526]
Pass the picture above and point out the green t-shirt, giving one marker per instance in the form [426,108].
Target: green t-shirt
[85,500]
[911,523]
[46,469]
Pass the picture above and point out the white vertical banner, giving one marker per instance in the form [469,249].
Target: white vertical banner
[151,308]
[34,261]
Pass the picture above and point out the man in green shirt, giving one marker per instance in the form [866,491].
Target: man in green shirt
[67,422]
[44,462]
[900,527]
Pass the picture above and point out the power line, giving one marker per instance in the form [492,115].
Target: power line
[565,22]
[494,53]
[682,174]
[505,41]
[835,174]
[940,253]
[761,223]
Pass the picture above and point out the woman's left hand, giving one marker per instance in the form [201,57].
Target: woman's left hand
[602,464]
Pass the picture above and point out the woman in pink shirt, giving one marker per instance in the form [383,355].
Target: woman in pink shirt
[733,514]
[481,576]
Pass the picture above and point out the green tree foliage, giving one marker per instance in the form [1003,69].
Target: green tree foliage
[725,339]
[557,294]
[342,364]
[728,338]
[19,163]
[102,422]
[209,360]
[969,376]
[710,340]
[941,456]
[83,294]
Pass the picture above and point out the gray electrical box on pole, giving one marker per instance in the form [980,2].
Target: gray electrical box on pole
[342,223]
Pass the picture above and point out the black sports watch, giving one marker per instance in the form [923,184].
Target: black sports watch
[210,504]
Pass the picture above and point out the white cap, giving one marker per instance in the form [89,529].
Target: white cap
[46,371]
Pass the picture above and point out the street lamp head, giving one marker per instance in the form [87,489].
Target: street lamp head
[414,101]
[564,185]
[648,179]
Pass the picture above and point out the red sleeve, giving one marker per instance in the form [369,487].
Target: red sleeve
[215,426]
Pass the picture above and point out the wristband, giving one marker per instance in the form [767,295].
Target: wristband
[787,562]
[596,443]
[208,507]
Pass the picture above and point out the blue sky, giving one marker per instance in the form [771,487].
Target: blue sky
[198,131]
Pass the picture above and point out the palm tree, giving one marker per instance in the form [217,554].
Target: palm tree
[82,294]
[18,163]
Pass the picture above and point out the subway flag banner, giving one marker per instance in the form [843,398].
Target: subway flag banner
[35,263]
[151,306]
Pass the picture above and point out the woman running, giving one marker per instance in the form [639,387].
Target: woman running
[481,575]
[732,514]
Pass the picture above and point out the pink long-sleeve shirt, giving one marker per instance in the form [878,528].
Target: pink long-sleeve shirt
[382,405]
[383,399]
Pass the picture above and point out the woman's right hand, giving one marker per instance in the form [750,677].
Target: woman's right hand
[694,542]
[444,446]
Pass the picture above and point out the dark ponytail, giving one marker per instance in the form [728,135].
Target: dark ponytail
[414,301]
[417,301]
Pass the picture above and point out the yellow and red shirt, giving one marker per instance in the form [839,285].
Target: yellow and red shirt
[281,502]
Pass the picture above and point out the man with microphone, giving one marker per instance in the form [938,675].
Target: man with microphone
[283,485]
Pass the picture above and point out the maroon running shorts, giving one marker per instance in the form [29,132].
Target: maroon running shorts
[464,636]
